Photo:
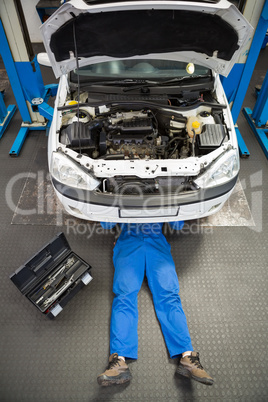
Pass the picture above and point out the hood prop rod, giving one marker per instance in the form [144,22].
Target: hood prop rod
[78,89]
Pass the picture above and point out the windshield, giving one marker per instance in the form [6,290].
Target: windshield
[139,69]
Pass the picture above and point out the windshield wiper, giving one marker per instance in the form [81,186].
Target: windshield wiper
[126,81]
[166,82]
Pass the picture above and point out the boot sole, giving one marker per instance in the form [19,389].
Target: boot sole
[187,373]
[106,381]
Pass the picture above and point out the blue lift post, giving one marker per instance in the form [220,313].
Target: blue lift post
[258,118]
[255,48]
[27,85]
[6,114]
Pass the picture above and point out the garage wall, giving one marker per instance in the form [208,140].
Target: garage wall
[32,19]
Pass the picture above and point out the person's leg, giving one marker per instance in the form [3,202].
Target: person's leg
[129,264]
[164,285]
[190,366]
[117,372]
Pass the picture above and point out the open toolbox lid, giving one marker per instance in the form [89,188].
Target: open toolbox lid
[41,264]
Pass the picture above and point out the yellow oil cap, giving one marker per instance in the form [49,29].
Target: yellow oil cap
[73,102]
[195,124]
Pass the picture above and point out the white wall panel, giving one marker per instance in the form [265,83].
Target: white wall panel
[12,29]
[32,19]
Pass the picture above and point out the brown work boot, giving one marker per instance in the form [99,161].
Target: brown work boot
[191,367]
[117,372]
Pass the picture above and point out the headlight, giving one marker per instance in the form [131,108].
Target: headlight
[70,174]
[223,170]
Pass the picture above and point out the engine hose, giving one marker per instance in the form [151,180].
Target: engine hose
[174,150]
[193,142]
[176,138]
[112,156]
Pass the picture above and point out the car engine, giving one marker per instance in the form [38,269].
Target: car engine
[146,133]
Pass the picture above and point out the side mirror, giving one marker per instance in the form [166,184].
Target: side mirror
[43,59]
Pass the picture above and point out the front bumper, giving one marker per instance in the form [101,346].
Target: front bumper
[91,205]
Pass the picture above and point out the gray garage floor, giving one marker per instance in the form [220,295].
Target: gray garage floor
[223,278]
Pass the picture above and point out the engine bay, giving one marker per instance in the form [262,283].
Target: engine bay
[140,130]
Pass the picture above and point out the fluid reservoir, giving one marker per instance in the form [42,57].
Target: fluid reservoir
[84,116]
[206,118]
[193,123]
[68,115]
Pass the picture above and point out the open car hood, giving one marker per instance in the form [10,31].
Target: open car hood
[208,33]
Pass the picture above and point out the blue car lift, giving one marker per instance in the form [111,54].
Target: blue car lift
[260,108]
[6,114]
[258,118]
[27,85]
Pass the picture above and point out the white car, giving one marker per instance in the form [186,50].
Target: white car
[142,130]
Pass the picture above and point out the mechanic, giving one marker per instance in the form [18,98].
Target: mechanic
[140,249]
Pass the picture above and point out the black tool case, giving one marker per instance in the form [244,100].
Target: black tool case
[52,276]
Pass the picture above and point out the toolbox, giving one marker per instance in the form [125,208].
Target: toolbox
[52,276]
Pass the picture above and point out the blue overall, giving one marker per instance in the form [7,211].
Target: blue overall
[143,249]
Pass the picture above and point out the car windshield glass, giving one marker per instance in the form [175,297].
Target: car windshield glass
[152,69]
